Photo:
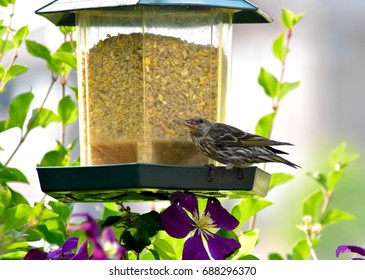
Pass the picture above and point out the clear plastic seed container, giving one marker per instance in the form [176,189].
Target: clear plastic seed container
[142,72]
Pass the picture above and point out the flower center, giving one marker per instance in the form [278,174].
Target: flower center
[110,248]
[203,222]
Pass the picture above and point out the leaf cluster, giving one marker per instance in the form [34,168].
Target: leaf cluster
[20,222]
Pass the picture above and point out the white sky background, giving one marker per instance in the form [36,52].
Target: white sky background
[327,56]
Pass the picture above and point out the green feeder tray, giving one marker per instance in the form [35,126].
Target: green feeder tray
[148,182]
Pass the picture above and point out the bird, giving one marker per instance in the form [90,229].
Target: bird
[233,147]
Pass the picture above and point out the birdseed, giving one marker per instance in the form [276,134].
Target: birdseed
[140,89]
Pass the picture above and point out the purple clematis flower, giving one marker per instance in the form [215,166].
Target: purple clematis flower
[178,223]
[106,246]
[62,253]
[351,249]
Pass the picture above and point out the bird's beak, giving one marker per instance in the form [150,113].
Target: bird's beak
[190,124]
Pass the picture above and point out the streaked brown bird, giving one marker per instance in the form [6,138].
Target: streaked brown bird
[232,146]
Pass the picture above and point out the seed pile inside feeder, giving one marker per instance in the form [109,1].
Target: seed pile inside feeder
[140,89]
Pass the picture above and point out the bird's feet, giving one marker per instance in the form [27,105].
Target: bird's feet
[211,167]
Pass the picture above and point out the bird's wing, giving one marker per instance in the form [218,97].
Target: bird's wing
[231,136]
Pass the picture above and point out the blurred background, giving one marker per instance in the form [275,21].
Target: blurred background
[327,56]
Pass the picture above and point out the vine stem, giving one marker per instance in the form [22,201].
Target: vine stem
[8,31]
[24,136]
[63,125]
[310,245]
[327,199]
[275,101]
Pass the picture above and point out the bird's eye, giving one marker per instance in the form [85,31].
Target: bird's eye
[200,121]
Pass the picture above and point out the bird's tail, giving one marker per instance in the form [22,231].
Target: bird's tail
[287,162]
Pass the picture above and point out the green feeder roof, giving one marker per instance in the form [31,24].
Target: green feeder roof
[62,12]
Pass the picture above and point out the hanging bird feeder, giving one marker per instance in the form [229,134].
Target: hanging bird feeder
[144,67]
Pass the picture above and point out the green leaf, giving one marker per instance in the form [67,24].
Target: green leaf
[336,215]
[60,156]
[279,179]
[5,198]
[54,158]
[6,46]
[150,255]
[67,110]
[41,212]
[68,46]
[3,28]
[338,158]
[269,83]
[110,209]
[61,209]
[301,250]
[264,125]
[14,71]
[67,58]
[38,50]
[336,155]
[19,108]
[275,256]
[2,71]
[247,208]
[333,177]
[229,234]
[320,178]
[16,218]
[51,236]
[164,249]
[6,3]
[289,19]
[17,198]
[151,222]
[8,174]
[76,92]
[17,255]
[248,241]
[298,17]
[42,117]
[312,205]
[279,48]
[20,36]
[286,87]
[67,29]
[248,257]
[135,239]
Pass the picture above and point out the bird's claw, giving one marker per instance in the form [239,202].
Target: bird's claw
[211,172]
[240,174]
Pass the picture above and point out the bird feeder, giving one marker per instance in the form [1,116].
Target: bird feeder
[146,66]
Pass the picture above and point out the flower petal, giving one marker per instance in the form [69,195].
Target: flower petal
[220,247]
[98,253]
[82,253]
[63,251]
[194,248]
[186,200]
[91,227]
[35,254]
[111,245]
[176,221]
[221,217]
[350,248]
